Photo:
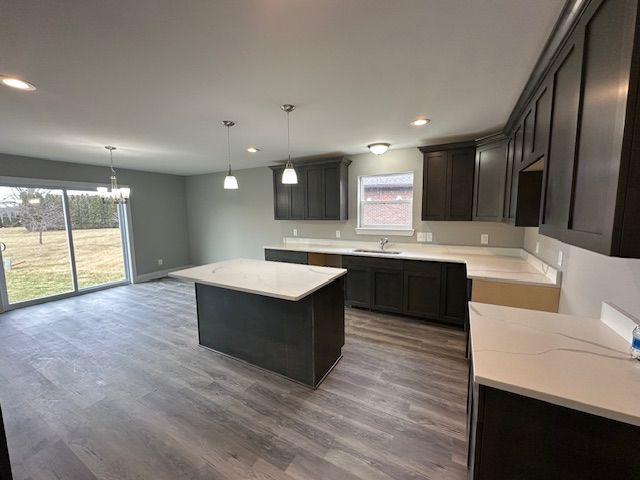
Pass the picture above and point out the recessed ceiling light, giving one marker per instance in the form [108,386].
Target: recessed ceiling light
[420,122]
[378,148]
[16,83]
[253,149]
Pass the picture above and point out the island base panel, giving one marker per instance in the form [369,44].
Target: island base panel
[300,340]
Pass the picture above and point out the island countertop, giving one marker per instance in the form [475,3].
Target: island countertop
[272,279]
[572,361]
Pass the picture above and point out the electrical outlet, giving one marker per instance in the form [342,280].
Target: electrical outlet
[484,239]
[560,257]
[537,247]
[429,236]
[160,261]
[337,233]
[295,232]
[422,237]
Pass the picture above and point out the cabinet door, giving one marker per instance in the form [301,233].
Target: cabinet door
[281,196]
[542,124]
[434,186]
[357,283]
[517,161]
[387,290]
[331,194]
[454,293]
[506,207]
[489,181]
[601,129]
[564,121]
[422,289]
[296,196]
[528,132]
[314,193]
[459,197]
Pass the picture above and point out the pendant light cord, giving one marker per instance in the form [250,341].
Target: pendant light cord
[113,171]
[229,148]
[288,139]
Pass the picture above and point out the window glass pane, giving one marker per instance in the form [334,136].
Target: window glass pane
[97,240]
[33,240]
[386,200]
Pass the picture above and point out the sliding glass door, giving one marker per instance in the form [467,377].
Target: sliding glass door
[34,243]
[97,239]
[56,242]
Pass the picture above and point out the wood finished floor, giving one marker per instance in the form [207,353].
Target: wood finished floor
[113,385]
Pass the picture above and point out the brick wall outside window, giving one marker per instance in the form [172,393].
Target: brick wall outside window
[386,200]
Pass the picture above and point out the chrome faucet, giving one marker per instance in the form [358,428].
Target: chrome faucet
[383,242]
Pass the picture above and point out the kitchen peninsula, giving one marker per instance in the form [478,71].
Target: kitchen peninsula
[285,318]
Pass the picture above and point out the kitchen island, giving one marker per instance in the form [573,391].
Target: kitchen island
[285,318]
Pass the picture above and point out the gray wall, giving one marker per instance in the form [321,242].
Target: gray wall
[226,224]
[589,278]
[158,207]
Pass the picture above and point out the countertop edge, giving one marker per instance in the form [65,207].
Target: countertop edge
[557,400]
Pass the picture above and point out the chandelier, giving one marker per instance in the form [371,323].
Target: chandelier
[113,194]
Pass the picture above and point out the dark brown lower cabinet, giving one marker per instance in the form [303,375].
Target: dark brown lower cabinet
[5,465]
[287,256]
[387,287]
[422,287]
[517,437]
[358,282]
[429,290]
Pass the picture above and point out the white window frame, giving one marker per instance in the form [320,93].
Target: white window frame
[399,230]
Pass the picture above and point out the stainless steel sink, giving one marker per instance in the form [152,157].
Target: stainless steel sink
[386,252]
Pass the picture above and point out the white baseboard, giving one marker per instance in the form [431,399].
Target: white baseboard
[145,277]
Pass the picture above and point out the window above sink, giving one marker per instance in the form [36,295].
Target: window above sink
[385,204]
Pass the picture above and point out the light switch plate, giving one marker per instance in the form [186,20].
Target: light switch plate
[484,239]
[337,233]
[560,257]
[295,232]
[429,236]
[160,261]
[422,236]
[537,247]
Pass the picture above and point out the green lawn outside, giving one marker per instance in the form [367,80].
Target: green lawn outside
[43,270]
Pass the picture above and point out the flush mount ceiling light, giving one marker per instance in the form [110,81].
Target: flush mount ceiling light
[419,122]
[289,176]
[16,83]
[230,181]
[378,148]
[114,194]
[253,149]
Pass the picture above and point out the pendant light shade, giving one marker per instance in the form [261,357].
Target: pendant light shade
[289,176]
[230,181]
[113,194]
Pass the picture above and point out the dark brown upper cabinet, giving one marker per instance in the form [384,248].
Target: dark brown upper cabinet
[447,181]
[320,194]
[490,174]
[592,184]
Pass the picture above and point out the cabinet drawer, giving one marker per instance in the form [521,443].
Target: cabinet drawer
[287,256]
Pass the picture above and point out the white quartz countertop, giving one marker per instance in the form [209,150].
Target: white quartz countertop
[509,265]
[272,279]
[572,361]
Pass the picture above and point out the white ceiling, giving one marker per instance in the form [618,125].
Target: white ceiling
[156,77]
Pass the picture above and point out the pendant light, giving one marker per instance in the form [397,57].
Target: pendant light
[289,176]
[230,181]
[113,194]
